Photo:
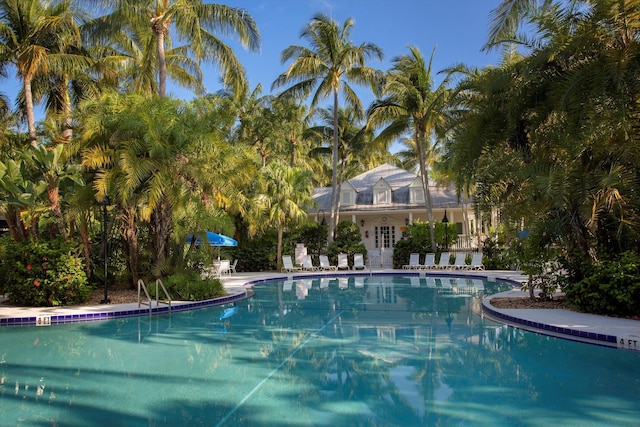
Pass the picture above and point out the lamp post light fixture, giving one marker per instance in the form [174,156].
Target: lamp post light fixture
[445,221]
[104,204]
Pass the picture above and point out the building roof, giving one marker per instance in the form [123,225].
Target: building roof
[399,180]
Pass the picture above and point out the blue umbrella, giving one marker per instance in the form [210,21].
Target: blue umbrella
[214,239]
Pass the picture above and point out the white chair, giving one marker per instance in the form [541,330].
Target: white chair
[343,262]
[358,262]
[444,261]
[325,264]
[460,263]
[429,262]
[232,267]
[287,264]
[476,262]
[224,267]
[307,264]
[414,262]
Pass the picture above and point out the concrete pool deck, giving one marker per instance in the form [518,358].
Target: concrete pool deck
[593,329]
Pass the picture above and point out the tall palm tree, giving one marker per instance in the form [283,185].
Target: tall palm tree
[35,37]
[326,68]
[412,104]
[194,22]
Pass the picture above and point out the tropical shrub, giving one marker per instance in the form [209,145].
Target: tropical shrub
[187,286]
[348,241]
[611,288]
[41,273]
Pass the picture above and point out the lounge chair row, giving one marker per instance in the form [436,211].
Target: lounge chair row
[460,262]
[325,265]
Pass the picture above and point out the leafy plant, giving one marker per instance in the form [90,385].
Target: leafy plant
[611,288]
[191,287]
[347,241]
[43,273]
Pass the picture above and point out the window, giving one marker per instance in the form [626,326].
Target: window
[416,195]
[347,198]
[383,197]
[385,236]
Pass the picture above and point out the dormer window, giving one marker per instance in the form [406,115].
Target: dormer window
[347,197]
[416,193]
[381,193]
[347,194]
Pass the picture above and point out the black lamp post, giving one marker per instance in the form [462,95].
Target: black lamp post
[322,224]
[104,204]
[445,221]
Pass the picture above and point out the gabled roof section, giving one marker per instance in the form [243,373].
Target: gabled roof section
[346,186]
[392,175]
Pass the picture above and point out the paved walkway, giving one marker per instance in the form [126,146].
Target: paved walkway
[600,330]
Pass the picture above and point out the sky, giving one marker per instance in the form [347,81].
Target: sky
[457,29]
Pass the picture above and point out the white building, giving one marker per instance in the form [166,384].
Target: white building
[384,200]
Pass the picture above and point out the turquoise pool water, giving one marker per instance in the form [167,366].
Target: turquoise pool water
[359,351]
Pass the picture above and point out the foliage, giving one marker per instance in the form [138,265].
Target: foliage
[347,241]
[612,287]
[189,286]
[495,257]
[258,254]
[403,250]
[418,238]
[43,273]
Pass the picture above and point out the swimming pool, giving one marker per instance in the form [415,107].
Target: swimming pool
[348,351]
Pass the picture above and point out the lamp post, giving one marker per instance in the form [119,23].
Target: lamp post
[104,204]
[445,221]
[322,224]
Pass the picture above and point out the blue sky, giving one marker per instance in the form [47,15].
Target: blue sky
[456,28]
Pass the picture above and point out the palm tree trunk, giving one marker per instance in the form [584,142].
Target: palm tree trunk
[162,66]
[54,201]
[422,153]
[31,120]
[335,196]
[279,250]
[67,132]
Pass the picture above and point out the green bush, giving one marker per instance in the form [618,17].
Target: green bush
[191,287]
[612,288]
[43,273]
[403,250]
[348,241]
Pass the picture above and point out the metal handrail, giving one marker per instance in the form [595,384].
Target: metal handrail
[149,301]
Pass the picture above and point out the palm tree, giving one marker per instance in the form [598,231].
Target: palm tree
[284,194]
[35,37]
[413,105]
[328,66]
[194,22]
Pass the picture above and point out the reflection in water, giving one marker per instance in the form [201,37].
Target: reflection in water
[324,351]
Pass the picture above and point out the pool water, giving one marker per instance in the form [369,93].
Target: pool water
[357,351]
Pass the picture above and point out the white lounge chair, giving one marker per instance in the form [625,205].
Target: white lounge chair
[325,264]
[287,264]
[414,262]
[343,262]
[460,263]
[429,262]
[476,262]
[358,262]
[232,268]
[307,264]
[444,261]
